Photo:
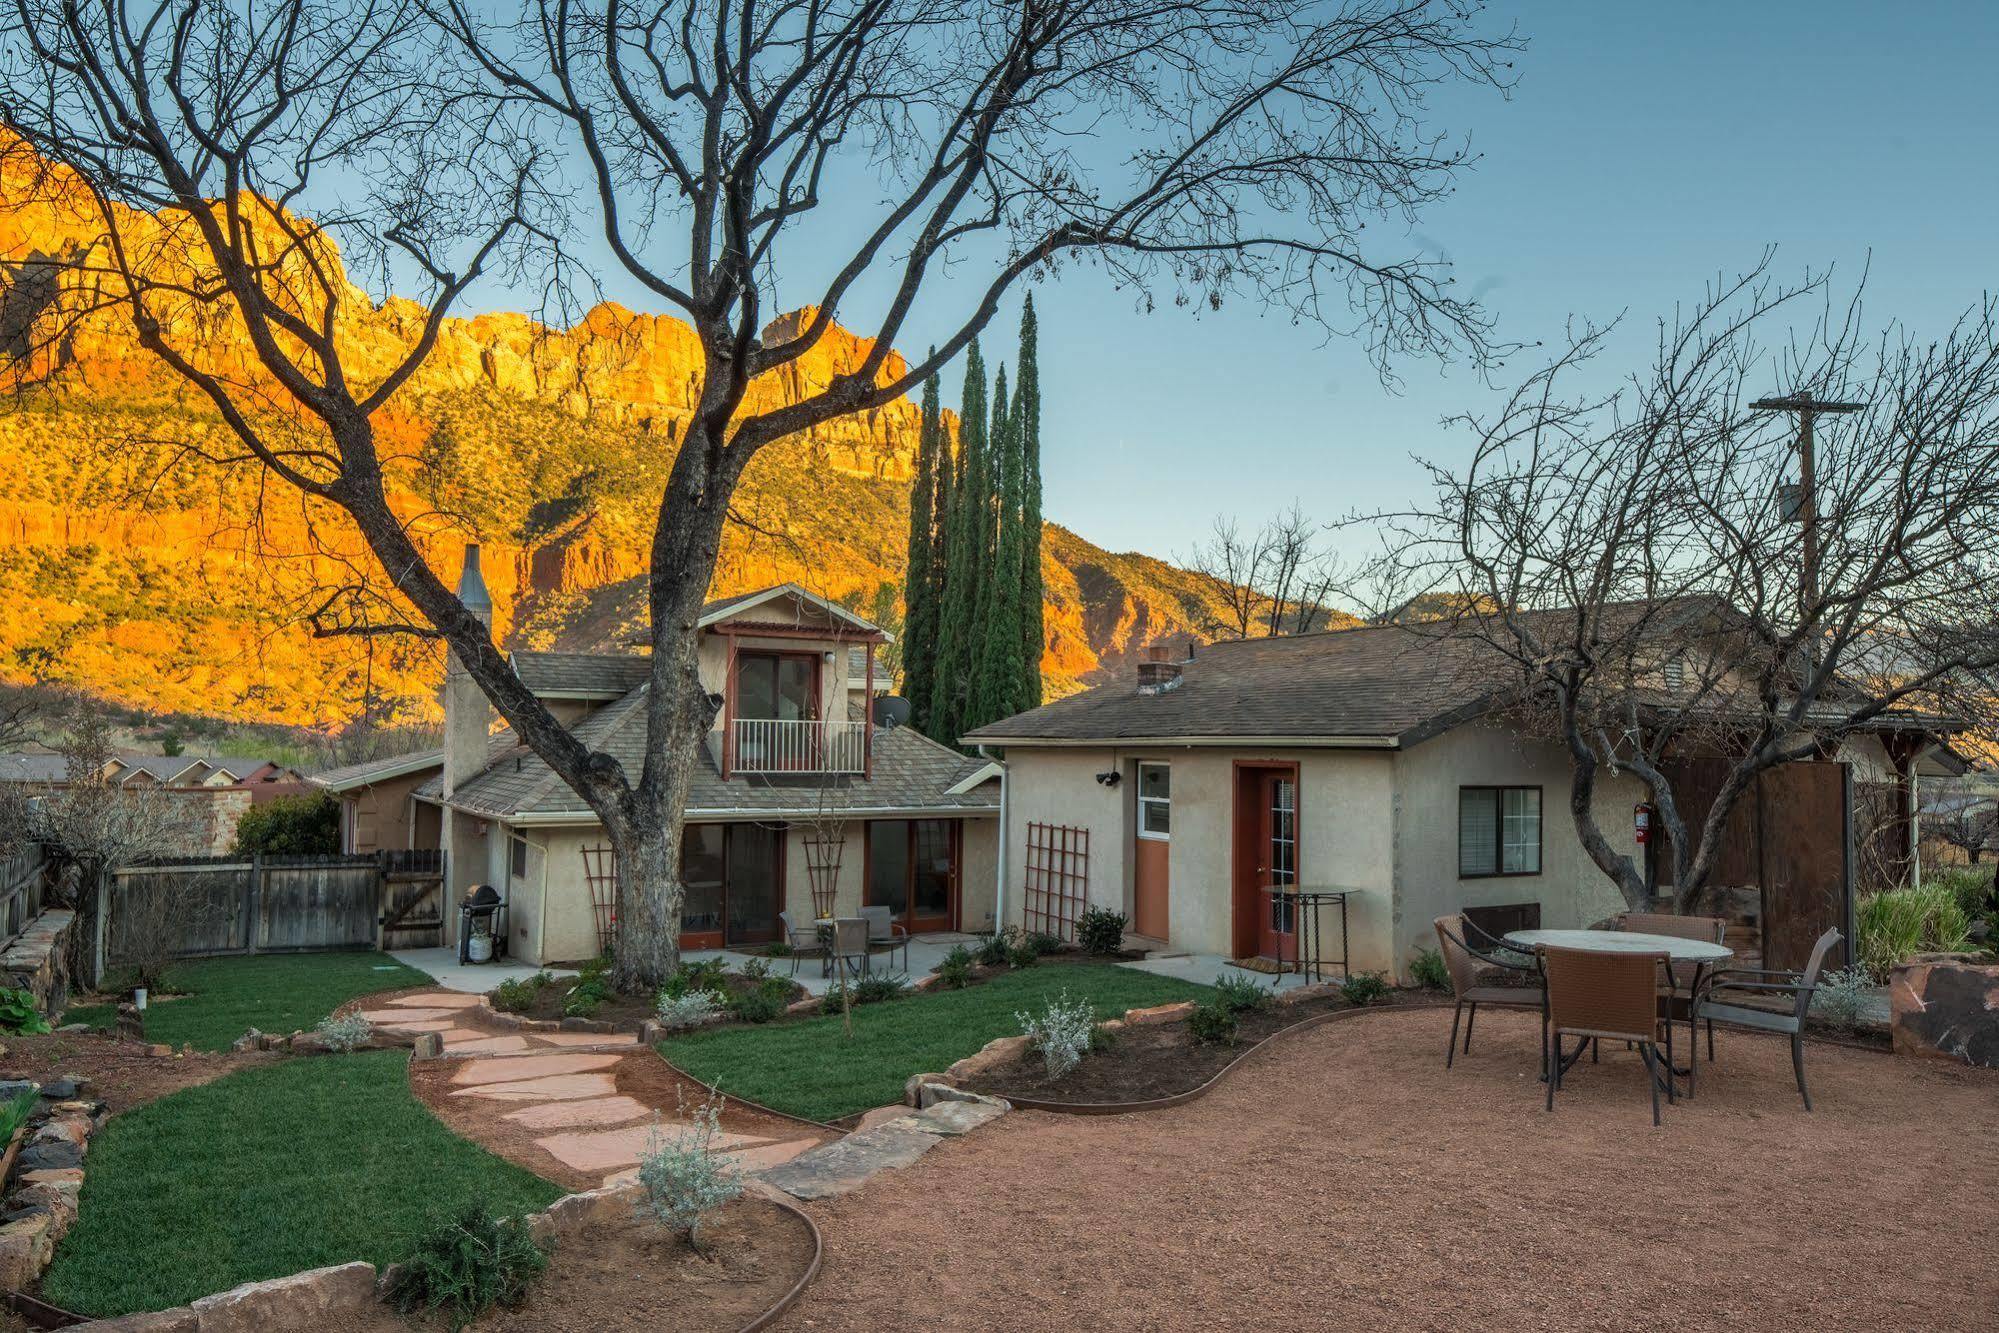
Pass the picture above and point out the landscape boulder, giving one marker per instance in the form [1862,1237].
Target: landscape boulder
[324,1298]
[1947,1006]
[1159,1013]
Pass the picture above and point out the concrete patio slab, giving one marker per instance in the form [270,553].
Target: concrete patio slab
[468,978]
[557,1087]
[581,1115]
[1204,969]
[925,952]
[437,1000]
[519,1068]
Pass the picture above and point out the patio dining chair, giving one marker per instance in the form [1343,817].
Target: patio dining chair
[1463,962]
[1600,996]
[849,954]
[1726,992]
[1678,998]
[809,939]
[883,930]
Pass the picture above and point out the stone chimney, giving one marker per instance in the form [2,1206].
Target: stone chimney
[468,717]
[1159,670]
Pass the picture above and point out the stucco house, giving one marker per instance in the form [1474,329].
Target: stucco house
[800,787]
[1367,760]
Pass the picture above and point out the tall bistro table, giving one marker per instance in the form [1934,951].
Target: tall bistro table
[1701,953]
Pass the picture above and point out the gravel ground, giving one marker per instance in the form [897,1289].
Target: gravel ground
[1344,1179]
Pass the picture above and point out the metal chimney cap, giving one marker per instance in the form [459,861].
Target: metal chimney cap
[472,583]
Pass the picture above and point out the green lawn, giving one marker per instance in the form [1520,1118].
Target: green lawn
[280,993]
[315,1161]
[810,1069]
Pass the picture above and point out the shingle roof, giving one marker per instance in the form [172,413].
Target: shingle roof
[609,674]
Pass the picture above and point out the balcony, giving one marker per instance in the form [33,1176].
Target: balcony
[770,747]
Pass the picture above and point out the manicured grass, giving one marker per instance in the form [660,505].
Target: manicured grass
[318,1160]
[279,993]
[812,1069]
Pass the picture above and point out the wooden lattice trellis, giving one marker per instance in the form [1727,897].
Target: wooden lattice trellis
[600,869]
[823,849]
[1057,879]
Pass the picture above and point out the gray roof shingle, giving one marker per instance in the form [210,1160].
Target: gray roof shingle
[606,674]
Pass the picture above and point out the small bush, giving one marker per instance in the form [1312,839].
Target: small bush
[707,975]
[678,1013]
[19,1014]
[955,972]
[1023,954]
[996,949]
[1240,995]
[1902,922]
[518,996]
[756,969]
[1973,888]
[304,825]
[1842,998]
[685,1178]
[586,997]
[1045,944]
[778,949]
[768,1000]
[876,987]
[1100,931]
[464,1265]
[1428,971]
[345,1035]
[1212,1021]
[1364,988]
[1063,1032]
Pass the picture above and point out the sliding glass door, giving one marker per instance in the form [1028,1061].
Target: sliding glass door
[734,877]
[913,871]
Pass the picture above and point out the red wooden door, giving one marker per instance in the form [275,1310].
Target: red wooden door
[1266,856]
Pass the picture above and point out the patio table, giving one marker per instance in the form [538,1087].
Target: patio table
[1701,953]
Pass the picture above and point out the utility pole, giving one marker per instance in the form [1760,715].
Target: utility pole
[1808,408]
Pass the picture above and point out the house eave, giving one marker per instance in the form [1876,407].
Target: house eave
[1188,742]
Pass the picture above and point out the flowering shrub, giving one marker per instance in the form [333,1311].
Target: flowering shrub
[690,1009]
[1062,1033]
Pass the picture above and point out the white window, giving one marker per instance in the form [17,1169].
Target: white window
[1155,801]
[1499,831]
[519,857]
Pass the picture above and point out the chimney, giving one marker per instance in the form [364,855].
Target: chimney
[1160,671]
[468,717]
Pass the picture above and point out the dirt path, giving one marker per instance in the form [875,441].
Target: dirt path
[1345,1180]
[576,1108]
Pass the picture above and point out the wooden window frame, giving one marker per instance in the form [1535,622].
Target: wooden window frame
[1141,800]
[1499,838]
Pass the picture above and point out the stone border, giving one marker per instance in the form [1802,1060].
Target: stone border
[322,1296]
[50,1176]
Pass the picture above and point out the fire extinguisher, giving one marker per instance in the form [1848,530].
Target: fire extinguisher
[1641,823]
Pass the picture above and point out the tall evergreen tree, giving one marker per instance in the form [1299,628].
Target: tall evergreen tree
[1026,422]
[995,688]
[962,574]
[922,585]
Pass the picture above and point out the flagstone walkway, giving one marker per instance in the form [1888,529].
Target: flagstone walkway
[583,1103]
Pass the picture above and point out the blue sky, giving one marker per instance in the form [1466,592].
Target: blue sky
[1645,149]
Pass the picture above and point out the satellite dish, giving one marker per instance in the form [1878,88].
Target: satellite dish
[891,711]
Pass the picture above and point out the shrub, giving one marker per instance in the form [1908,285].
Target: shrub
[1973,888]
[19,1013]
[954,973]
[1428,971]
[346,1034]
[768,1000]
[1901,922]
[778,949]
[461,1266]
[586,997]
[756,969]
[14,1113]
[707,975]
[1240,995]
[1022,954]
[1044,944]
[518,996]
[1100,931]
[996,949]
[678,1013]
[684,1176]
[1212,1021]
[878,986]
[1062,1032]
[306,825]
[1842,998]
[1364,988]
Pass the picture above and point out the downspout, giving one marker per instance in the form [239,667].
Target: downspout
[1005,836]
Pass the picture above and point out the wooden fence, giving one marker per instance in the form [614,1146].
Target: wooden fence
[223,905]
[22,877]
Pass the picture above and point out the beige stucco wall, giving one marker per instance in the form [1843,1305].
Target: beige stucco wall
[380,816]
[1571,889]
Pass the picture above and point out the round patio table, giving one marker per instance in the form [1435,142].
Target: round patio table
[1700,953]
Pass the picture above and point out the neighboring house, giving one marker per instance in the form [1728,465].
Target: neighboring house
[1367,760]
[794,768]
[217,790]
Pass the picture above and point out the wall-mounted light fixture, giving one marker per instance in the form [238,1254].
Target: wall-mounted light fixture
[1110,779]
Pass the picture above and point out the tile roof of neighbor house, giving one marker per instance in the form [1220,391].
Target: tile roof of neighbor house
[911,773]
[160,768]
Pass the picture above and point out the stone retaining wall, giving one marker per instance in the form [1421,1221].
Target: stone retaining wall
[47,1178]
[38,960]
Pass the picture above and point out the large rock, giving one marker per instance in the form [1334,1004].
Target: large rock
[26,1246]
[995,1053]
[1159,1013]
[321,1298]
[1944,1005]
[836,1168]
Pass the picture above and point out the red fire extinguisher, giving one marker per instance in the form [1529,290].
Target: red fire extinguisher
[1641,823]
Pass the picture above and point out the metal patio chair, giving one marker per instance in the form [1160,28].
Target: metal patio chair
[849,954]
[1744,982]
[1463,962]
[809,939]
[884,930]
[1607,996]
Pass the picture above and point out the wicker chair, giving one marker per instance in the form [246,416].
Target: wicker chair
[1463,962]
[1677,1000]
[1744,982]
[850,945]
[1607,996]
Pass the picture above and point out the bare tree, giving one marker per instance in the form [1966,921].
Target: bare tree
[1626,570]
[1277,580]
[1255,141]
[1961,817]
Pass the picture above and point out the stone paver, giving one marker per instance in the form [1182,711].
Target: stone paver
[519,1068]
[581,1115]
[399,1017]
[559,1087]
[609,1149]
[437,999]
[839,1167]
[478,1043]
[585,1038]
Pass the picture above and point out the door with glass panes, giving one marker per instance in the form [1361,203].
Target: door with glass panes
[913,871]
[734,880]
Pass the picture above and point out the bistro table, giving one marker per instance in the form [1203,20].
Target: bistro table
[1701,953]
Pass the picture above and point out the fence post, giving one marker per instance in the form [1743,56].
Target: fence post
[254,903]
[98,931]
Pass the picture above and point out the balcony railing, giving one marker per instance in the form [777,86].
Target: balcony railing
[770,745]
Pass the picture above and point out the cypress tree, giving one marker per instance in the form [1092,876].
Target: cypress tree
[955,628]
[922,583]
[996,689]
[1026,422]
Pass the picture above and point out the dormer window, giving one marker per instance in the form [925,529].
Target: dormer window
[778,687]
